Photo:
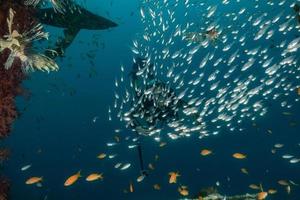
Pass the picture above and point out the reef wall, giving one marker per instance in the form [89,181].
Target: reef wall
[10,79]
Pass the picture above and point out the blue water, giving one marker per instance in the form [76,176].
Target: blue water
[56,134]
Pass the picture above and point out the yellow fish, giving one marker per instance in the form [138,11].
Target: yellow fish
[173,177]
[72,179]
[34,180]
[94,177]
[101,156]
[239,156]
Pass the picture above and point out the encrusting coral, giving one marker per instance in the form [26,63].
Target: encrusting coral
[4,188]
[18,31]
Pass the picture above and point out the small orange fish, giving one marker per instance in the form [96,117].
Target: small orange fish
[273,151]
[101,156]
[72,179]
[298,91]
[272,191]
[117,138]
[254,187]
[34,180]
[205,152]
[283,182]
[156,187]
[94,177]
[287,113]
[173,177]
[183,190]
[239,156]
[262,195]
[131,189]
[244,170]
[162,144]
[151,166]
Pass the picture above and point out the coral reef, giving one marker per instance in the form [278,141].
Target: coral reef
[4,188]
[10,81]
[4,153]
[19,29]
[4,183]
[17,56]
[10,86]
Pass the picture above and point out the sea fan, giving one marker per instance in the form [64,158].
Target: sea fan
[20,47]
[222,70]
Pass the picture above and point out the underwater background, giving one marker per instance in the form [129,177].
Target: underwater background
[58,135]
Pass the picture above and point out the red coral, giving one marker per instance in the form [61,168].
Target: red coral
[10,83]
[4,189]
[4,153]
[11,79]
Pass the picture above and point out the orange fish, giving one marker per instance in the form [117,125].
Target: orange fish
[273,151]
[162,144]
[239,156]
[131,189]
[117,138]
[101,156]
[72,179]
[183,191]
[173,177]
[262,195]
[272,191]
[94,177]
[254,187]
[205,152]
[298,90]
[151,166]
[34,180]
[283,182]
[156,187]
[245,171]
